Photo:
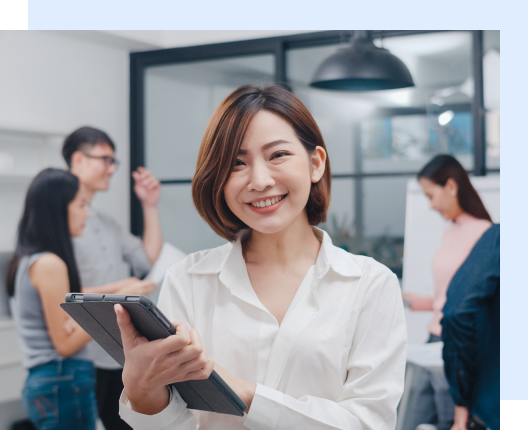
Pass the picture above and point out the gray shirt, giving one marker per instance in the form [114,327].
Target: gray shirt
[26,306]
[105,253]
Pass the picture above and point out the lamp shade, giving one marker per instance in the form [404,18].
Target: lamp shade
[362,66]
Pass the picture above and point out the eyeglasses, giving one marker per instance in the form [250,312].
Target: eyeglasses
[109,161]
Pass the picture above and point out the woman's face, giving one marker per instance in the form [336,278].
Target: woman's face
[78,212]
[270,184]
[443,199]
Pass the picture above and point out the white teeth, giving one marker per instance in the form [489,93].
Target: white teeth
[267,202]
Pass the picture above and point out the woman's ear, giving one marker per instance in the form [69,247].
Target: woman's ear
[318,163]
[452,187]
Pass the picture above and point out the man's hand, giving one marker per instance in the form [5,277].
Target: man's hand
[461,418]
[146,187]
[138,287]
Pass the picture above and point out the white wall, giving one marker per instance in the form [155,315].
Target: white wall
[54,83]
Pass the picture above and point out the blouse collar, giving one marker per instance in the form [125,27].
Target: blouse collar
[229,261]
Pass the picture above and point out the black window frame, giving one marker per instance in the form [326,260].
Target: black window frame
[278,46]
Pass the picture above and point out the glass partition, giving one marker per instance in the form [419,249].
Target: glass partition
[376,140]
[367,217]
[491,69]
[182,226]
[179,100]
[399,129]
[379,139]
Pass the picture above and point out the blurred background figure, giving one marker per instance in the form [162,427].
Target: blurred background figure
[445,182]
[105,252]
[59,392]
[471,335]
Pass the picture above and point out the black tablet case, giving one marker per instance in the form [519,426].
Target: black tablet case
[99,320]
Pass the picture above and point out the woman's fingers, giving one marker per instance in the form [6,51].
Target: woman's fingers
[196,363]
[200,365]
[202,373]
[173,344]
[129,335]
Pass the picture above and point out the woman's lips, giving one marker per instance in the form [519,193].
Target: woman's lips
[267,209]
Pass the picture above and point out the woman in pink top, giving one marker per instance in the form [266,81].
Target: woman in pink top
[447,185]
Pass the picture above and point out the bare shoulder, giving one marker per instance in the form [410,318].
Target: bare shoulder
[49,266]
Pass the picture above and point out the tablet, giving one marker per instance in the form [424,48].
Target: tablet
[95,314]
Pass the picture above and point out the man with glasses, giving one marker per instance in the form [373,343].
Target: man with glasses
[106,252]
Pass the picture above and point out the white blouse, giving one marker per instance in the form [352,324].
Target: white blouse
[337,361]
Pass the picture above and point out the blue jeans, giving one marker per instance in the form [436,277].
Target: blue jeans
[60,395]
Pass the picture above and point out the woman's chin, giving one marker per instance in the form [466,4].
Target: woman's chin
[268,227]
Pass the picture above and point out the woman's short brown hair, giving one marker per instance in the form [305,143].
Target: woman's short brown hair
[222,140]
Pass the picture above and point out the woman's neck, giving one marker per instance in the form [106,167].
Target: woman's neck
[458,214]
[294,243]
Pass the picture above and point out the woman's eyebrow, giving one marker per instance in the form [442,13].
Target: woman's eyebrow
[272,144]
[265,147]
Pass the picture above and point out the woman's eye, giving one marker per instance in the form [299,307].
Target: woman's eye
[279,154]
[239,163]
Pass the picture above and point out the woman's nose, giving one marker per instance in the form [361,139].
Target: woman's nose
[260,178]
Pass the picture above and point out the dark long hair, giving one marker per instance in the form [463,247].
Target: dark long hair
[44,223]
[440,169]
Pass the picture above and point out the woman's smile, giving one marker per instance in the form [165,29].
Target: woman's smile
[267,205]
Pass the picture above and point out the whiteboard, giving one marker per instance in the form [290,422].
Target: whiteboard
[423,236]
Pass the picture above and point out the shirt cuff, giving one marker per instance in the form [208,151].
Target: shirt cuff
[174,410]
[265,409]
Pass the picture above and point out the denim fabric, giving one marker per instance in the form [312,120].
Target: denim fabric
[471,331]
[60,395]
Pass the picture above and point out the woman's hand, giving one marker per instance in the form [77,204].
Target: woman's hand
[244,389]
[150,366]
[461,418]
[407,296]
[418,302]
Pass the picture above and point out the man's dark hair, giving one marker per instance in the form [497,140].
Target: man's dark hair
[82,137]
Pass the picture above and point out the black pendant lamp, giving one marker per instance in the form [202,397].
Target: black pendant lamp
[362,66]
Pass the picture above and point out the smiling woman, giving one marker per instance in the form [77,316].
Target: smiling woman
[240,121]
[306,334]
